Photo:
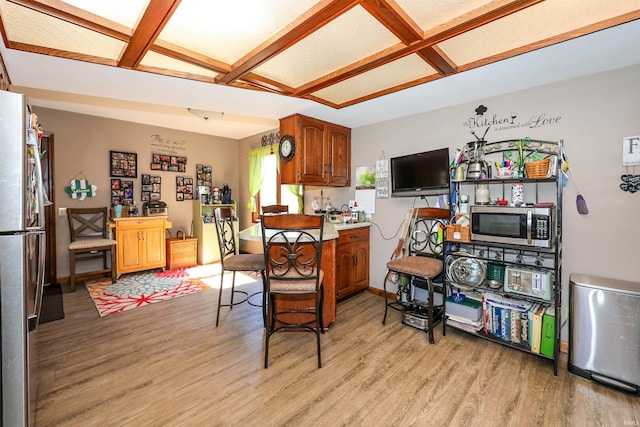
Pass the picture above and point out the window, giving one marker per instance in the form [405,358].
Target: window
[263,166]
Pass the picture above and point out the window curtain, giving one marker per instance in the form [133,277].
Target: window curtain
[255,172]
[298,191]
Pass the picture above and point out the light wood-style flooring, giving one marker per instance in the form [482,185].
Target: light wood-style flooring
[168,365]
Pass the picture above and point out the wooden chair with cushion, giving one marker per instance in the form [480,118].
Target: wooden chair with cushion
[231,260]
[89,234]
[293,255]
[419,253]
[275,209]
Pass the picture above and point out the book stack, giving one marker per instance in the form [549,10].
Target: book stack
[531,325]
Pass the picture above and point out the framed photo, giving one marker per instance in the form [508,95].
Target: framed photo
[203,176]
[151,188]
[168,163]
[121,192]
[123,164]
[184,188]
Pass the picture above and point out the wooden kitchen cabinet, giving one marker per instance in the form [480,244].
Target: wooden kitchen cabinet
[141,243]
[352,261]
[322,152]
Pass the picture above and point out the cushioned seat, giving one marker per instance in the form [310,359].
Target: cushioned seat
[420,258]
[292,257]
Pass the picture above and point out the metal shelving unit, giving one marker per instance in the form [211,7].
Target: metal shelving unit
[547,260]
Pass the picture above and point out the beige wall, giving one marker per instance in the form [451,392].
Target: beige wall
[595,113]
[82,145]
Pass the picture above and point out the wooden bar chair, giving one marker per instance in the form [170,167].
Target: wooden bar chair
[293,256]
[231,260]
[419,253]
[275,209]
[89,234]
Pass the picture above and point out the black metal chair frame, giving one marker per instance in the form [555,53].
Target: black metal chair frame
[293,257]
[231,260]
[425,241]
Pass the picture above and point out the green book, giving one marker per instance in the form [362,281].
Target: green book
[548,332]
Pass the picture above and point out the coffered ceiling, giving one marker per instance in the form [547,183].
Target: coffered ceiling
[337,53]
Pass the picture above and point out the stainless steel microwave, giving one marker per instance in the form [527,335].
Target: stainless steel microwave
[524,225]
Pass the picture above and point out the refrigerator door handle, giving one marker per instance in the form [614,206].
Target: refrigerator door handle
[43,199]
[33,319]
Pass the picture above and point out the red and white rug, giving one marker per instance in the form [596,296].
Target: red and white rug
[141,289]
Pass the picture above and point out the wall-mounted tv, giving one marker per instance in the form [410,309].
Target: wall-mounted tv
[420,174]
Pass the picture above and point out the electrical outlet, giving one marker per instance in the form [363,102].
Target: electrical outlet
[62,211]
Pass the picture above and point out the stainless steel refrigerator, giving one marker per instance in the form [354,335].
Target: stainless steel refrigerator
[22,261]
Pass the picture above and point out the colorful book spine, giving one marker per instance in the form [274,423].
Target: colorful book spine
[524,328]
[505,324]
[536,331]
[515,326]
[547,340]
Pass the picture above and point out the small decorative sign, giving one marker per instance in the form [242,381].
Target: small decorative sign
[80,189]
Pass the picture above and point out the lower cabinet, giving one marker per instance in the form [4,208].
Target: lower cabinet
[141,243]
[352,261]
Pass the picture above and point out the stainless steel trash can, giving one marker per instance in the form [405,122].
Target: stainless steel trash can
[604,330]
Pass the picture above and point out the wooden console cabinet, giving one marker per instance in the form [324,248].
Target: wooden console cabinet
[322,152]
[204,229]
[141,243]
[352,261]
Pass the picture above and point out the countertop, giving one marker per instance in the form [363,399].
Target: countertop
[254,233]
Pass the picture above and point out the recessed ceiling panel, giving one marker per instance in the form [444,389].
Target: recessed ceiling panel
[124,12]
[402,71]
[24,25]
[152,59]
[431,14]
[228,30]
[535,23]
[344,41]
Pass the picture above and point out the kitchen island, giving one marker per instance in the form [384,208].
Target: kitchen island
[251,242]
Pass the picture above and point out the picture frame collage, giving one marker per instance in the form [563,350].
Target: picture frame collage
[121,192]
[184,188]
[151,188]
[165,162]
[203,176]
[123,165]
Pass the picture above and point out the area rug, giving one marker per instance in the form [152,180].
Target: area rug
[52,306]
[140,289]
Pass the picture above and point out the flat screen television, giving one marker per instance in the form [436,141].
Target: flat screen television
[420,174]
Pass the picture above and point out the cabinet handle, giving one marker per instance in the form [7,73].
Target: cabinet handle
[355,261]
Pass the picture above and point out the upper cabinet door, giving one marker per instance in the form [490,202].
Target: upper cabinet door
[322,152]
[339,156]
[312,165]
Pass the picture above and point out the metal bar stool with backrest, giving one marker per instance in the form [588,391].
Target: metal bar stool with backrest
[421,258]
[293,256]
[231,260]
[89,234]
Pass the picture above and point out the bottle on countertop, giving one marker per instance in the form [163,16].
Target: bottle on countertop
[133,209]
[354,212]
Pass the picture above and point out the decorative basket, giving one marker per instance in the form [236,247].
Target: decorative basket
[458,232]
[537,169]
